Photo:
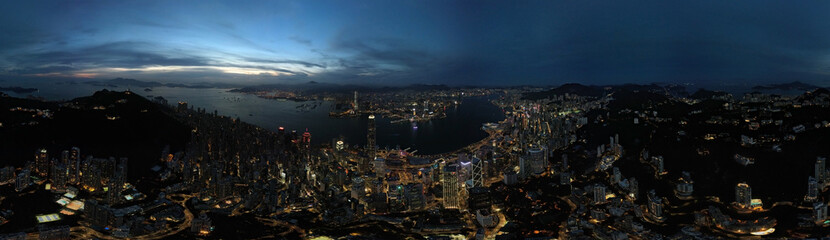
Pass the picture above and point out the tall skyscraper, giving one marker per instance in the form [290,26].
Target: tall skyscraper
[75,165]
[371,146]
[743,195]
[41,162]
[812,189]
[821,169]
[451,189]
[58,177]
[819,212]
[306,140]
[599,194]
[355,102]
[538,159]
[478,171]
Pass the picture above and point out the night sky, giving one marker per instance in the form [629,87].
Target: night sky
[403,42]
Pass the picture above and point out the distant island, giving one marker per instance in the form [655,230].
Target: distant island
[122,82]
[787,86]
[19,90]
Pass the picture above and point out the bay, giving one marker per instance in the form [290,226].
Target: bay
[461,126]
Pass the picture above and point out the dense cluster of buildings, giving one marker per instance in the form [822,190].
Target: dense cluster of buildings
[535,168]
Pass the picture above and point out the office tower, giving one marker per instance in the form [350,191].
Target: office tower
[564,161]
[819,212]
[22,181]
[821,169]
[812,189]
[414,196]
[479,198]
[510,176]
[41,162]
[306,140]
[355,102]
[358,188]
[371,146]
[478,171]
[655,206]
[617,176]
[564,178]
[599,194]
[538,159]
[58,177]
[75,165]
[743,195]
[379,165]
[339,145]
[451,188]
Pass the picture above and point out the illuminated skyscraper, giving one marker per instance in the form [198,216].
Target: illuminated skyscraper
[478,171]
[41,162]
[821,169]
[743,195]
[538,159]
[306,141]
[58,177]
[355,102]
[371,146]
[339,145]
[451,189]
[75,165]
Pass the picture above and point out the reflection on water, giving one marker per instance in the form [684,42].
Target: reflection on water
[461,127]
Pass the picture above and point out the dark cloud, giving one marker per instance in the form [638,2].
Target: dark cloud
[297,62]
[116,54]
[40,70]
[377,52]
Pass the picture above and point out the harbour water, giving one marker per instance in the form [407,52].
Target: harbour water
[461,126]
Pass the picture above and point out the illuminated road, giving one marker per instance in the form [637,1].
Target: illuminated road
[274,223]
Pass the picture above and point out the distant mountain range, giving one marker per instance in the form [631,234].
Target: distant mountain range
[317,87]
[598,91]
[675,90]
[128,82]
[787,86]
[18,90]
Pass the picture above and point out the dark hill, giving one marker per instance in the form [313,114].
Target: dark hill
[139,131]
